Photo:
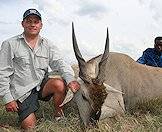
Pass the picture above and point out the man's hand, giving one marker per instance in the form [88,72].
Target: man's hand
[12,106]
[74,86]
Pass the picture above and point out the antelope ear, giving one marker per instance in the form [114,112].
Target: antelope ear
[86,97]
[69,96]
[111,89]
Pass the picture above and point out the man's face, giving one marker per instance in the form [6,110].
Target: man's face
[160,47]
[32,25]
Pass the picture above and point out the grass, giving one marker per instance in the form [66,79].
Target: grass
[147,117]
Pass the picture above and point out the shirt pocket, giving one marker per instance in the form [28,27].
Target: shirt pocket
[42,60]
[22,60]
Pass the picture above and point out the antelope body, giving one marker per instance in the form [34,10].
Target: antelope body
[112,83]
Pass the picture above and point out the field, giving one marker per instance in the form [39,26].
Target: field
[147,117]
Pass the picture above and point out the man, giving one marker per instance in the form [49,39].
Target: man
[24,62]
[153,56]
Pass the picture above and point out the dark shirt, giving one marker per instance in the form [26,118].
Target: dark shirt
[151,57]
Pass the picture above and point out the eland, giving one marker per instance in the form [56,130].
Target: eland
[112,83]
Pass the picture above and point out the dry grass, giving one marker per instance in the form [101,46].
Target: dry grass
[147,117]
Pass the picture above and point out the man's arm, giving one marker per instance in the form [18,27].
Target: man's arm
[6,70]
[148,58]
[142,59]
[57,63]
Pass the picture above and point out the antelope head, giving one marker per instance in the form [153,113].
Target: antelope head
[95,90]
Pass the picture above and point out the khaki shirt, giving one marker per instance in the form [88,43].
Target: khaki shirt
[23,68]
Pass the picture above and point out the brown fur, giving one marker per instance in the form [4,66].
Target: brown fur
[97,94]
[136,81]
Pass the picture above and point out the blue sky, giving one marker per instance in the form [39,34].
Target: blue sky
[133,24]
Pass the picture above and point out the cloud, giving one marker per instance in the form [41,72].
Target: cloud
[133,24]
[156,6]
[53,11]
[51,5]
[5,23]
[144,1]
[91,9]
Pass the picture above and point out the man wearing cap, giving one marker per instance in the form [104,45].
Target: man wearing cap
[24,62]
[153,56]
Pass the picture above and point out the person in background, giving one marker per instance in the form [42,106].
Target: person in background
[153,56]
[24,62]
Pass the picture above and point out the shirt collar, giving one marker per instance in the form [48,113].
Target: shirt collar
[21,36]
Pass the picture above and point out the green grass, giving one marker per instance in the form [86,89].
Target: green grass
[147,117]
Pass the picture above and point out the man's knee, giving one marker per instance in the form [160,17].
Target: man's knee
[58,85]
[29,122]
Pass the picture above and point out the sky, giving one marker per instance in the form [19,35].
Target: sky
[132,24]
